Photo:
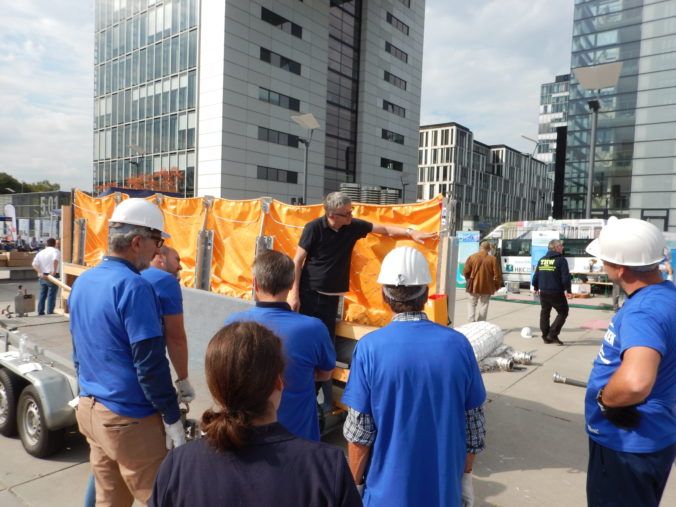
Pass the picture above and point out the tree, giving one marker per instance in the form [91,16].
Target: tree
[8,181]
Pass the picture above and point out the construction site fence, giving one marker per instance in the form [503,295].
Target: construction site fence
[232,231]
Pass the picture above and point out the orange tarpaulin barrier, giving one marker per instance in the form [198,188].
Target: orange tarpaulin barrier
[237,224]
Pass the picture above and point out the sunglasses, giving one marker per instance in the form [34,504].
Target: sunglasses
[344,215]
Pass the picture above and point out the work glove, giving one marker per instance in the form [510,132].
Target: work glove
[174,434]
[467,490]
[624,418]
[185,391]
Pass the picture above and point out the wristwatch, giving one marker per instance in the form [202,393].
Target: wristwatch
[409,231]
[599,400]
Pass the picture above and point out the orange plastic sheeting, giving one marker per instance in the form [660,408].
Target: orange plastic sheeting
[236,224]
[183,219]
[363,303]
[97,211]
[285,224]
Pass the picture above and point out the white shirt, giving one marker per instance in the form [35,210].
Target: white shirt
[44,260]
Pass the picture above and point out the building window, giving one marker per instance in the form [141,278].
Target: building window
[280,61]
[391,164]
[396,81]
[277,137]
[281,175]
[393,108]
[281,22]
[396,52]
[397,23]
[278,99]
[393,136]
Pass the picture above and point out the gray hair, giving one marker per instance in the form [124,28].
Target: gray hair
[555,243]
[273,271]
[120,235]
[335,200]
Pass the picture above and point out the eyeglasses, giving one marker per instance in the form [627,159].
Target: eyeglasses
[344,215]
[159,241]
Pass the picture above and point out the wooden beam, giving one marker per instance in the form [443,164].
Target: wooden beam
[341,374]
[352,331]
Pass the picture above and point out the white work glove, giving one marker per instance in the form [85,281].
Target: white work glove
[185,391]
[467,490]
[360,489]
[174,434]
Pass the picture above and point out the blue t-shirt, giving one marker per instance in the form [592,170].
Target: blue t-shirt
[306,346]
[647,319]
[416,379]
[167,288]
[111,307]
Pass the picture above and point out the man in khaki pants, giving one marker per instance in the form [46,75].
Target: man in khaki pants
[128,408]
[483,274]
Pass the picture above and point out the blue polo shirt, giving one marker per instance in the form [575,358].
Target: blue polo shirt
[306,346]
[416,379]
[647,319]
[111,308]
[167,288]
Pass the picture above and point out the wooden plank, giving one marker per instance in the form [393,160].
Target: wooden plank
[73,269]
[351,330]
[341,374]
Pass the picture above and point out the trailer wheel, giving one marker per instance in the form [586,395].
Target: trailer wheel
[9,391]
[36,438]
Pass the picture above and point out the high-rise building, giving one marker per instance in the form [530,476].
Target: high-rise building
[198,95]
[634,174]
[490,184]
[553,114]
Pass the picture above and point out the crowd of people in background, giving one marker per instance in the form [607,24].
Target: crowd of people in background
[7,244]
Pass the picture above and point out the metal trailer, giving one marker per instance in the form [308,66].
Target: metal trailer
[37,380]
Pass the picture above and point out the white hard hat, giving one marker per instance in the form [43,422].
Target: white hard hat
[629,242]
[404,265]
[526,332]
[135,211]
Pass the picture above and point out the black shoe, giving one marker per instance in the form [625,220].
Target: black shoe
[546,340]
[556,340]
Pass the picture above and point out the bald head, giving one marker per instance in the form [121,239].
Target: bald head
[167,259]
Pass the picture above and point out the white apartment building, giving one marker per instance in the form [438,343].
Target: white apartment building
[490,184]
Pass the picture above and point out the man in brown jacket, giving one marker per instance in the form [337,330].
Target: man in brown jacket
[484,276]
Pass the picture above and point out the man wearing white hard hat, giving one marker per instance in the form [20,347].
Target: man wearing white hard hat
[630,405]
[128,408]
[414,388]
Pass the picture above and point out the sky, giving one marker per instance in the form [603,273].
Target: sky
[483,64]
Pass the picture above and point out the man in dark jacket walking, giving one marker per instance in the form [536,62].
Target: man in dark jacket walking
[552,283]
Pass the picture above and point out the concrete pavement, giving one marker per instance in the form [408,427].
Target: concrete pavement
[537,448]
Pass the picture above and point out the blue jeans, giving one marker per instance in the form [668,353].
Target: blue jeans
[618,479]
[48,292]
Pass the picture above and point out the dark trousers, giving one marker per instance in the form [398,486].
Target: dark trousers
[47,292]
[324,308]
[559,302]
[618,479]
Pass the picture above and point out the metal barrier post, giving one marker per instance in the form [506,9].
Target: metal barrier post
[204,253]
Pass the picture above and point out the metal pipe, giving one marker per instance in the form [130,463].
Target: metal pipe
[560,379]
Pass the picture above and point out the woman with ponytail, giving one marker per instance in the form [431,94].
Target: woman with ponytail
[246,457]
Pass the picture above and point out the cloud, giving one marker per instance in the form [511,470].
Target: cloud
[484,62]
[46,91]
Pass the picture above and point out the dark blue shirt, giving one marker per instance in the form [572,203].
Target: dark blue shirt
[552,275]
[276,468]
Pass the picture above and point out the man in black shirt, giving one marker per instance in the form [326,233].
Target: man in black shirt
[322,260]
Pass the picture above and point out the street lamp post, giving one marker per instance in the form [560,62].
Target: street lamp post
[309,122]
[595,78]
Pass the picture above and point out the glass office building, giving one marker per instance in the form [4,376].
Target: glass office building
[553,114]
[196,96]
[145,83]
[635,170]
